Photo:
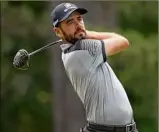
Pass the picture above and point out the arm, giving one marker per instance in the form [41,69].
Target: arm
[113,42]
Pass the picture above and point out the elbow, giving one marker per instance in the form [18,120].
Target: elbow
[125,43]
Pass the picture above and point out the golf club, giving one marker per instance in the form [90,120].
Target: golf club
[22,57]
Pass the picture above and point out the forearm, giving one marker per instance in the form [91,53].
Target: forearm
[114,43]
[101,35]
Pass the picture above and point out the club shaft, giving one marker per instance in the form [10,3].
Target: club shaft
[43,48]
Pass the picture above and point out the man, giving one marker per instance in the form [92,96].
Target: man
[84,55]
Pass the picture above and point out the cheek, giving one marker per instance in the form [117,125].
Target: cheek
[70,30]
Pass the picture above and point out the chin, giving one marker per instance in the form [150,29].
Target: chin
[81,36]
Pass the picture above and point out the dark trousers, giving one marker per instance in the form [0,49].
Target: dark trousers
[87,129]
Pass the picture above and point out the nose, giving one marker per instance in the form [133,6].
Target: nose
[79,24]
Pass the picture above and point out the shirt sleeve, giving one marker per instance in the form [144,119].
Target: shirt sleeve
[84,56]
[95,48]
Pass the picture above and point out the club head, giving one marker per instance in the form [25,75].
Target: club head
[21,60]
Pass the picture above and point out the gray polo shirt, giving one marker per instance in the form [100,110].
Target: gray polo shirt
[100,91]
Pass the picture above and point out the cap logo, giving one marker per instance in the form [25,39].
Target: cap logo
[68,6]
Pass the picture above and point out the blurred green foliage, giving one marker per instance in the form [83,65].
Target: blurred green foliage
[26,96]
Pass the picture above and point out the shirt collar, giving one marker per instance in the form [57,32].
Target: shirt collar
[65,46]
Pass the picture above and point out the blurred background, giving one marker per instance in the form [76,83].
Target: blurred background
[42,99]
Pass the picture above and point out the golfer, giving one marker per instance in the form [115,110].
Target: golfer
[84,55]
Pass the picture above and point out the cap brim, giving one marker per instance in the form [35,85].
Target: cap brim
[80,10]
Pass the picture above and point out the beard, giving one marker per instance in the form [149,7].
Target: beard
[79,34]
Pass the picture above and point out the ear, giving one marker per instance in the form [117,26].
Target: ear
[57,32]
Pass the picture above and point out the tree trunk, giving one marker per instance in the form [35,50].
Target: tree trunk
[68,110]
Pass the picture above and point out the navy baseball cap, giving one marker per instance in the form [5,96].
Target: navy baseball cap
[63,11]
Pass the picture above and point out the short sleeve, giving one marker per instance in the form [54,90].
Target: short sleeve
[85,55]
[95,48]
